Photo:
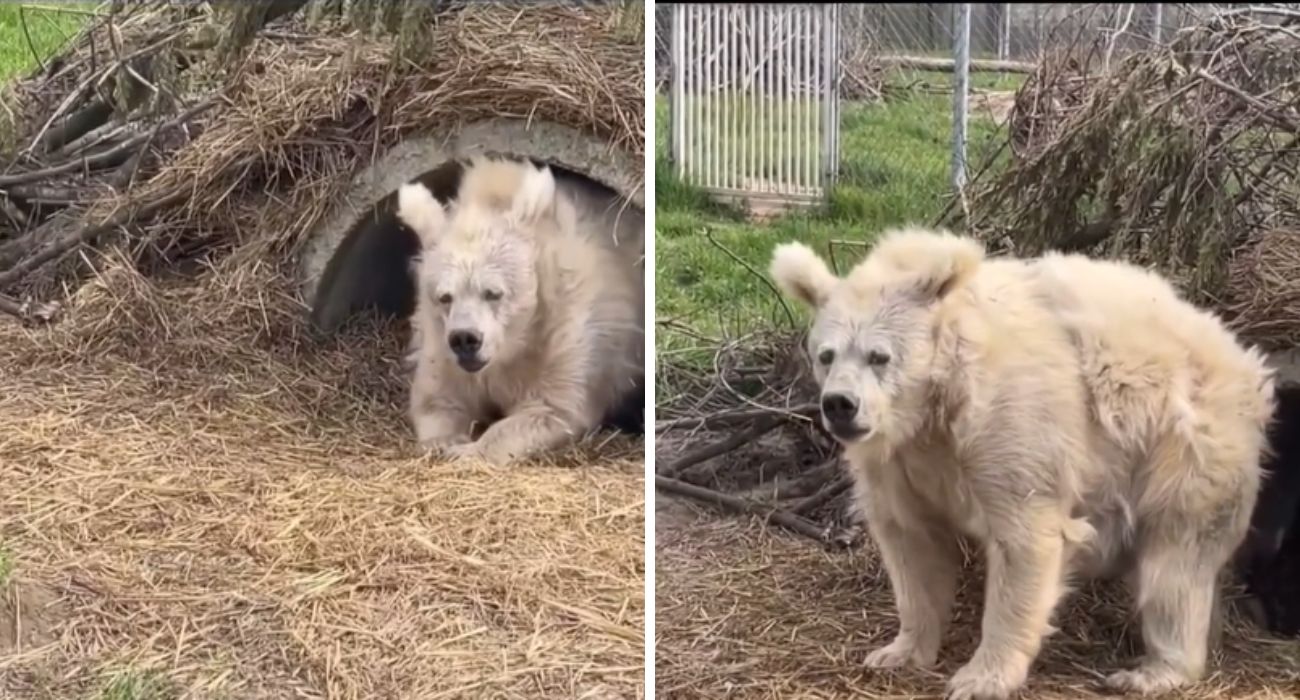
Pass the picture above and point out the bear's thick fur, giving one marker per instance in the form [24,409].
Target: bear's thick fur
[1074,416]
[527,322]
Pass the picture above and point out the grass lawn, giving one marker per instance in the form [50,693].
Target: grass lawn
[48,30]
[894,169]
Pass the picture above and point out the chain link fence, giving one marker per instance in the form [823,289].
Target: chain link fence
[907,96]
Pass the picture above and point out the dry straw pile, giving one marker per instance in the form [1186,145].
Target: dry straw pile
[197,497]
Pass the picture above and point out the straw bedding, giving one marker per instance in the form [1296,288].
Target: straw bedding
[202,499]
[239,508]
[746,611]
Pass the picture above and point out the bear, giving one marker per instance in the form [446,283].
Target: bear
[1268,562]
[527,332]
[1075,417]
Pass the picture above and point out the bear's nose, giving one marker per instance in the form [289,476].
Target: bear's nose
[839,409]
[465,342]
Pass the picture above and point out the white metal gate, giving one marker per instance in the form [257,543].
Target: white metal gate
[755,99]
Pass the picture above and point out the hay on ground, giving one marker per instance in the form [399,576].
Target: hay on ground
[742,610]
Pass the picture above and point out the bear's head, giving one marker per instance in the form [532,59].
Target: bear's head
[477,271]
[872,340]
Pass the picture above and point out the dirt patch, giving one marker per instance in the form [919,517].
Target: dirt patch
[28,615]
[996,106]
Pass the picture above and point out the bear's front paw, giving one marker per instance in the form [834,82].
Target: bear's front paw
[903,651]
[979,680]
[443,445]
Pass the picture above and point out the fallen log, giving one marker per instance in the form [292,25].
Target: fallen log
[947,65]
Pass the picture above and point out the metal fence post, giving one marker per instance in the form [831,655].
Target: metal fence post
[960,94]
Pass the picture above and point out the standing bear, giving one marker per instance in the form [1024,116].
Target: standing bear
[1075,417]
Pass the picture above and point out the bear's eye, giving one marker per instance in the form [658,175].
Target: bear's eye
[491,295]
[876,358]
[826,356]
[444,299]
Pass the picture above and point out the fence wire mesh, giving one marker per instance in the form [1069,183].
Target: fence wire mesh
[897,68]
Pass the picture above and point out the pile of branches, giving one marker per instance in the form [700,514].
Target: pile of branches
[183,132]
[744,438]
[1183,158]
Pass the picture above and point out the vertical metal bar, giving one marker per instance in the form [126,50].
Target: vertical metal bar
[836,122]
[1004,32]
[751,29]
[796,124]
[1157,21]
[824,94]
[768,135]
[706,119]
[961,76]
[724,134]
[813,100]
[801,93]
[714,115]
[675,94]
[690,103]
[733,106]
[788,102]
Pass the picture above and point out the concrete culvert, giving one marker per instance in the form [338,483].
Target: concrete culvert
[359,260]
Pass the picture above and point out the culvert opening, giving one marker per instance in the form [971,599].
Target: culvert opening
[370,275]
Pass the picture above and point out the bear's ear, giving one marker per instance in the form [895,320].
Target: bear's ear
[422,212]
[932,262]
[954,269]
[535,196]
[799,273]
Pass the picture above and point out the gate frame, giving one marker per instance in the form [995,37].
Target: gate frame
[709,35]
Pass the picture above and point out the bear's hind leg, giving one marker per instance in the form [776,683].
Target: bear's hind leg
[1194,517]
[1175,598]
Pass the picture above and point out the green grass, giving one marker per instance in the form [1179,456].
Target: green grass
[135,685]
[48,30]
[26,35]
[894,170]
[6,566]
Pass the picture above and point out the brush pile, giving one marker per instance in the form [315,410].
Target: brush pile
[188,135]
[1185,158]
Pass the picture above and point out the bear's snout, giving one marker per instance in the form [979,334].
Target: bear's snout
[466,345]
[840,411]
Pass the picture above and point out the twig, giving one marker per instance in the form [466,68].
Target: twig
[56,248]
[719,420]
[95,80]
[50,195]
[29,311]
[1279,119]
[109,156]
[765,425]
[13,213]
[811,481]
[776,516]
[22,19]
[708,233]
[827,493]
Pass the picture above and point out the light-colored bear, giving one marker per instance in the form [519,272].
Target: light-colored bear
[1073,416]
[526,323]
